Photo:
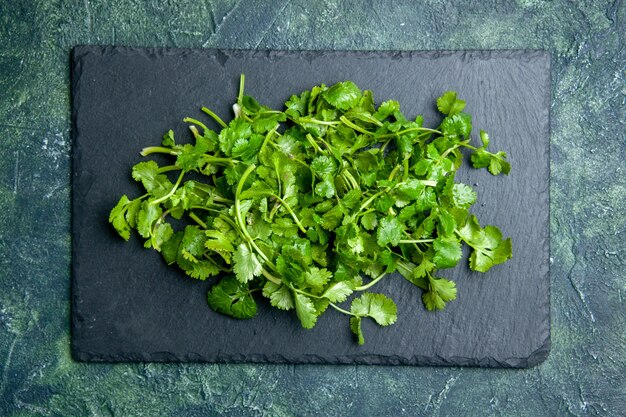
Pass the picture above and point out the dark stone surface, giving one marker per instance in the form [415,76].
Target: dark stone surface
[128,305]
[584,374]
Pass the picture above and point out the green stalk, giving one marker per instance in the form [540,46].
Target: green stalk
[416,240]
[355,126]
[405,167]
[316,121]
[371,283]
[311,140]
[157,149]
[271,277]
[412,129]
[196,122]
[341,310]
[240,221]
[394,171]
[168,168]
[172,191]
[214,116]
[267,138]
[290,211]
[197,220]
[242,82]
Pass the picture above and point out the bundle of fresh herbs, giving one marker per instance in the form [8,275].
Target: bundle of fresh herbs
[317,202]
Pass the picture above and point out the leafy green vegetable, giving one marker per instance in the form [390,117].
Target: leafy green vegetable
[303,205]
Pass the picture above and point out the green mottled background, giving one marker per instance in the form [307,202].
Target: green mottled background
[585,373]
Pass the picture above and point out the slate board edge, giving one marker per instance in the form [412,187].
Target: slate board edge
[271,54]
[534,358]
[486,362]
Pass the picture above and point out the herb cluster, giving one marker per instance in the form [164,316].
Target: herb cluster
[314,203]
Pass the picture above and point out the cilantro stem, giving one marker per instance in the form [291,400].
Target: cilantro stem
[290,211]
[267,138]
[217,160]
[172,191]
[197,220]
[221,216]
[157,149]
[394,171]
[371,283]
[211,192]
[416,240]
[355,126]
[382,148]
[196,122]
[316,121]
[405,167]
[401,265]
[314,144]
[242,82]
[468,146]
[336,307]
[168,168]
[240,222]
[348,175]
[214,116]
[412,129]
[271,277]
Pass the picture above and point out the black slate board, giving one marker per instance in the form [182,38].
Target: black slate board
[128,305]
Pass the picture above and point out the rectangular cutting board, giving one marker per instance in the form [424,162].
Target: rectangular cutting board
[128,305]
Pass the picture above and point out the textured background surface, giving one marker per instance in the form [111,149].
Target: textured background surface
[584,374]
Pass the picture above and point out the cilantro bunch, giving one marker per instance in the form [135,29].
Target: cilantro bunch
[312,204]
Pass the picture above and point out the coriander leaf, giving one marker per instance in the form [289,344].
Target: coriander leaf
[447,252]
[386,109]
[498,164]
[495,163]
[232,298]
[247,149]
[488,247]
[464,196]
[284,227]
[298,105]
[305,310]
[218,241]
[449,104]
[146,217]
[343,95]
[323,165]
[280,295]
[246,264]
[377,306]
[236,130]
[201,269]
[389,231]
[168,139]
[118,219]
[317,278]
[355,326]
[338,292]
[162,233]
[457,125]
[148,174]
[169,248]
[447,222]
[440,292]
[369,221]
[193,241]
[325,188]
